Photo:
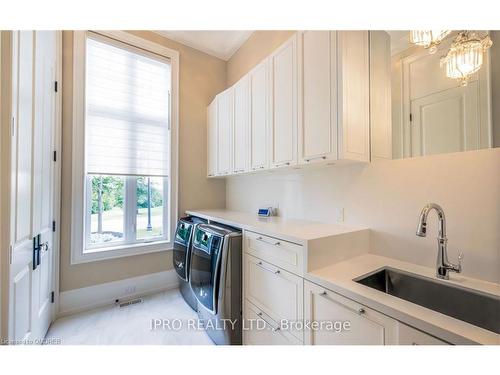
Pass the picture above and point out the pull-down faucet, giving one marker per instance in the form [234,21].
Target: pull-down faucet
[443,267]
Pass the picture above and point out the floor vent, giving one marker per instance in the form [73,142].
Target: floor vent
[129,303]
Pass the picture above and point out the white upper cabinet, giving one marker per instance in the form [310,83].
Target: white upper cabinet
[308,102]
[241,126]
[283,90]
[354,95]
[318,79]
[224,130]
[335,120]
[380,95]
[259,94]
[212,148]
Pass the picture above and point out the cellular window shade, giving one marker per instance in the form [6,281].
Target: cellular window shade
[127,111]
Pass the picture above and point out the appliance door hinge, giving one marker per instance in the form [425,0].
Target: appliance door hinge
[55,86]
[53,226]
[52,297]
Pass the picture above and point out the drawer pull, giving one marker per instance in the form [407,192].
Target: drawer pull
[274,329]
[277,243]
[277,272]
[359,311]
[317,157]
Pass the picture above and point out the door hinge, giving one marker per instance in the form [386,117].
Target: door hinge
[52,297]
[411,117]
[13,127]
[53,226]
[55,86]
[55,155]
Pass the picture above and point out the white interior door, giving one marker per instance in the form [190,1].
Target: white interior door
[446,121]
[438,114]
[33,184]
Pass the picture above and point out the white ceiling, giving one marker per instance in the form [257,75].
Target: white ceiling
[222,44]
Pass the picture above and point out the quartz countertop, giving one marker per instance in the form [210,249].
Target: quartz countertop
[298,231]
[339,278]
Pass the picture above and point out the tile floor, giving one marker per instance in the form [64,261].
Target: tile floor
[131,325]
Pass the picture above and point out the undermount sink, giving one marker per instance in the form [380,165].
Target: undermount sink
[477,308]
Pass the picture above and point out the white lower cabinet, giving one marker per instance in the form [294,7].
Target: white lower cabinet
[344,322]
[260,329]
[411,336]
[278,293]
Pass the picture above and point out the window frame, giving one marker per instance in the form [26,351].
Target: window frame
[79,252]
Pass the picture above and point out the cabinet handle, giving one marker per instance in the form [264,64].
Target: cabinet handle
[277,272]
[274,329]
[282,164]
[359,311]
[317,157]
[277,243]
[239,171]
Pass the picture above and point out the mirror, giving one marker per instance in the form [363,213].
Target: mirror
[431,113]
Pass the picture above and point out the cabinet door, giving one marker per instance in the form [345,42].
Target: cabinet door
[412,336]
[275,291]
[354,95]
[241,128]
[260,329]
[366,326]
[259,88]
[224,126]
[318,80]
[283,127]
[212,139]
[380,95]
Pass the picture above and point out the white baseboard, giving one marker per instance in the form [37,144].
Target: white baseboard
[77,300]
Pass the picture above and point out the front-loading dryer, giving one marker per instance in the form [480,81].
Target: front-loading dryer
[216,281]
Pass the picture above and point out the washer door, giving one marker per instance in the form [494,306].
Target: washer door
[205,259]
[181,249]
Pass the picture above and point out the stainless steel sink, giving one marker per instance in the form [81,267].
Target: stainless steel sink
[480,309]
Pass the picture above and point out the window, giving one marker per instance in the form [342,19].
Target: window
[124,145]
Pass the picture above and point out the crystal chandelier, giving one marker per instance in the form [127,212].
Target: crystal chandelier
[428,38]
[465,56]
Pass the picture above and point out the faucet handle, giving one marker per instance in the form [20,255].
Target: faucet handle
[460,258]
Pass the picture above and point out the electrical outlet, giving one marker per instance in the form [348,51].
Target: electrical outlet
[340,215]
[130,289]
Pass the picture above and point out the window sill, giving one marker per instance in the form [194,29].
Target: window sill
[121,251]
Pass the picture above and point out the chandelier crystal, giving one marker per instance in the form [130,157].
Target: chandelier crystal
[465,56]
[428,38]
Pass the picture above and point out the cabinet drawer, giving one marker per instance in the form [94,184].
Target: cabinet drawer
[260,329]
[276,292]
[412,336]
[284,254]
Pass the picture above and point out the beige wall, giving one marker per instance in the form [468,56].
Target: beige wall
[386,196]
[201,78]
[256,48]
